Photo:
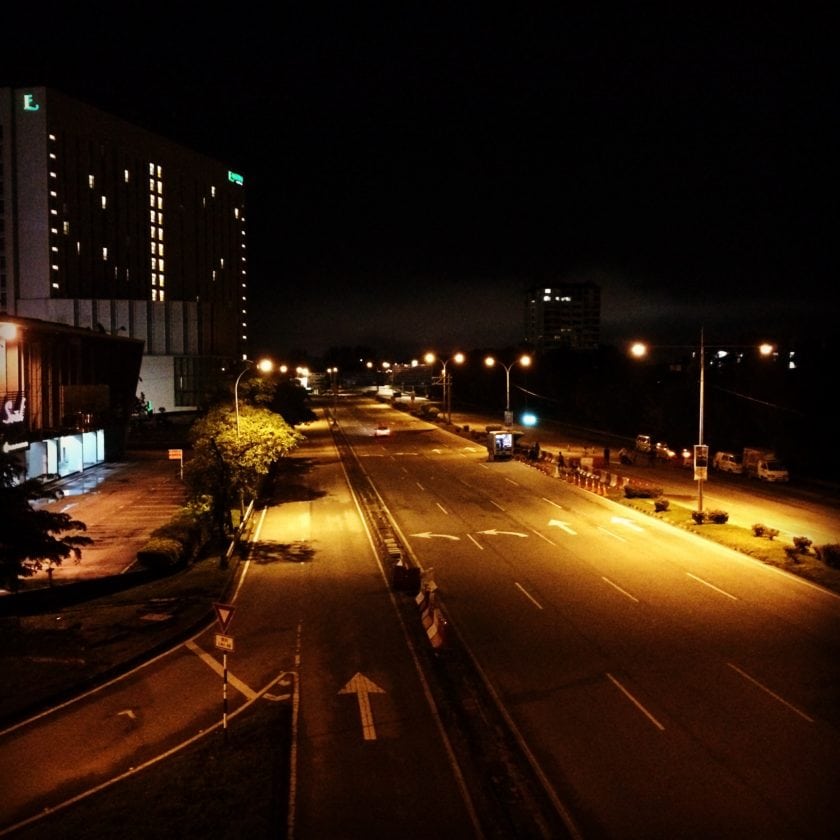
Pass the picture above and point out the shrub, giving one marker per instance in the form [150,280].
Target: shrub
[641,491]
[160,553]
[792,553]
[829,554]
[802,544]
[719,517]
[764,531]
[698,516]
[660,505]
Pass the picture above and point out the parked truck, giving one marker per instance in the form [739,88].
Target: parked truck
[763,464]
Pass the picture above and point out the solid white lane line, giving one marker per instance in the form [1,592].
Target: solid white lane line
[712,586]
[611,534]
[622,591]
[771,693]
[528,596]
[636,703]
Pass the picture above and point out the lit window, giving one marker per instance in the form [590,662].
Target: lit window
[54,248]
[78,247]
[235,212]
[151,169]
[160,249]
[213,191]
[213,277]
[54,231]
[55,285]
[151,184]
[160,186]
[52,155]
[91,181]
[160,264]
[159,171]
[152,216]
[53,175]
[51,136]
[160,203]
[151,200]
[104,252]
[222,262]
[154,263]
[104,202]
[53,211]
[160,218]
[53,193]
[126,176]
[154,247]
[162,281]
[54,267]
[154,294]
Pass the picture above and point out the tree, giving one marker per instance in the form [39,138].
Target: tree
[229,463]
[30,539]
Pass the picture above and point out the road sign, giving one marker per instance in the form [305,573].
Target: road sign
[224,643]
[176,454]
[224,613]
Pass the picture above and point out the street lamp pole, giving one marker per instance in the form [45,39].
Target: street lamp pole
[458,358]
[701,467]
[523,360]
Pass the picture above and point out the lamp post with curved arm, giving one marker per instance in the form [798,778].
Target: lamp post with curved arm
[264,366]
[525,361]
[445,380]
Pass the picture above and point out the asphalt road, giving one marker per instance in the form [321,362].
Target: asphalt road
[666,686]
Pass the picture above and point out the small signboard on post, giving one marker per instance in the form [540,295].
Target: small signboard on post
[178,455]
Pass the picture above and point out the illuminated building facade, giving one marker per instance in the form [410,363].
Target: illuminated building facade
[109,227]
[564,315]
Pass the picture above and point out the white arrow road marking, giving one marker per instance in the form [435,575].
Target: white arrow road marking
[207,659]
[361,686]
[471,449]
[627,523]
[427,535]
[556,523]
[494,532]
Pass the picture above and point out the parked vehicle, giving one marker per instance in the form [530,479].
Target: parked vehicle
[728,462]
[763,464]
[664,452]
[643,443]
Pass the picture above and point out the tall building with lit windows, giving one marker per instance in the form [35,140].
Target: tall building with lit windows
[563,315]
[107,226]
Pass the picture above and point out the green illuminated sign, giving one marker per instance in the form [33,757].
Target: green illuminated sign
[237,179]
[29,103]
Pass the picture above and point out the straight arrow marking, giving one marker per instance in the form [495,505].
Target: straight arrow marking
[361,686]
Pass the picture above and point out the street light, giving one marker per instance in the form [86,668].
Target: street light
[525,361]
[701,451]
[446,381]
[264,366]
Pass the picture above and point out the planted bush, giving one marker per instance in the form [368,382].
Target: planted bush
[641,491]
[801,544]
[160,553]
[829,554]
[719,517]
[660,505]
[764,531]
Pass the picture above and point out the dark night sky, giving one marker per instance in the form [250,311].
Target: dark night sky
[413,168]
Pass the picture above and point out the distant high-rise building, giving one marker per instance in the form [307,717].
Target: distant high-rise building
[107,226]
[564,315]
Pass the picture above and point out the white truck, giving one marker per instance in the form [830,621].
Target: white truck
[763,464]
[728,462]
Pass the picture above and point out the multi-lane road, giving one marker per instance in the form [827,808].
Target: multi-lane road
[660,685]
[666,687]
